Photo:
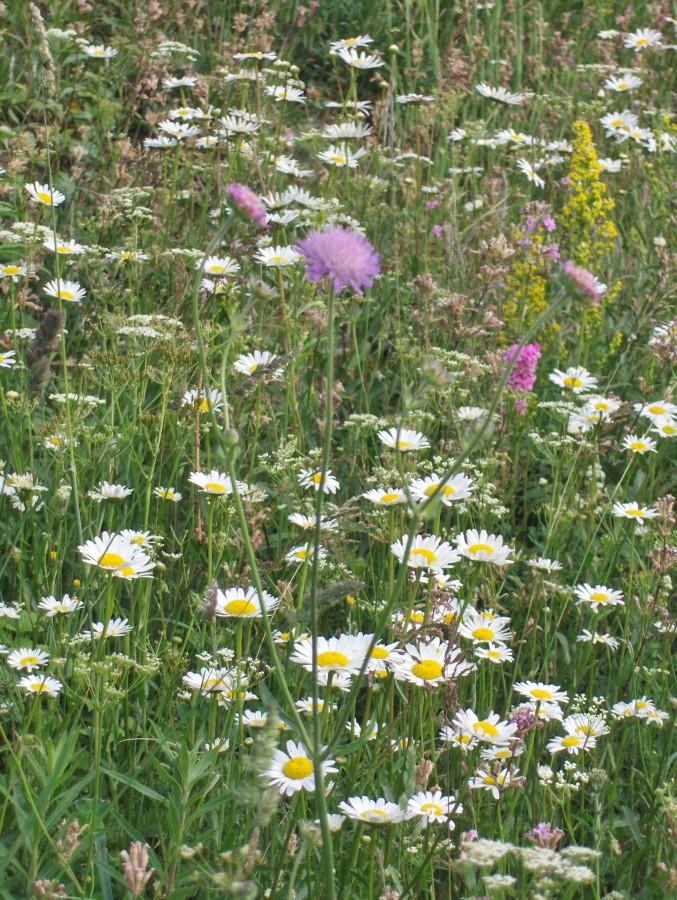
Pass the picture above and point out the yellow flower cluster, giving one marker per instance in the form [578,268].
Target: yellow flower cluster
[526,287]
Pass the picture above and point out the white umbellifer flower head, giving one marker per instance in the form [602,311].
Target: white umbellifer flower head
[482,628]
[575,379]
[99,51]
[292,770]
[116,555]
[64,607]
[218,266]
[499,93]
[7,359]
[540,692]
[388,496]
[622,83]
[27,658]
[252,363]
[70,291]
[433,807]
[277,256]
[362,40]
[598,596]
[427,552]
[114,628]
[373,812]
[483,547]
[403,439]
[43,193]
[40,684]
[490,729]
[310,478]
[342,156]
[643,38]
[431,662]
[638,444]
[243,603]
[452,490]
[634,511]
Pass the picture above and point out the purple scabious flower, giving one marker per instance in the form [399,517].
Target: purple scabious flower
[345,257]
[523,375]
[584,280]
[248,202]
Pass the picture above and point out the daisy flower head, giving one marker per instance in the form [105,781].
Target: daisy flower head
[116,554]
[70,291]
[286,93]
[343,256]
[454,489]
[313,479]
[40,684]
[593,637]
[494,653]
[167,493]
[622,83]
[638,444]
[529,170]
[544,564]
[634,511]
[665,426]
[203,400]
[586,725]
[245,603]
[430,662]
[490,729]
[292,770]
[493,782]
[483,547]
[373,812]
[336,657]
[13,271]
[388,496]
[107,491]
[403,439]
[64,607]
[63,248]
[643,38]
[427,552]
[598,596]
[214,483]
[218,266]
[277,256]
[541,693]
[461,740]
[483,628]
[572,744]
[362,40]
[575,378]
[304,553]
[253,363]
[433,807]
[7,359]
[27,658]
[43,193]
[117,627]
[359,59]
[656,410]
[499,93]
[99,51]
[342,156]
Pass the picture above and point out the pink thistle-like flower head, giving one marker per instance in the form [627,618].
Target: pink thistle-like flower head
[343,256]
[584,280]
[248,202]
[524,360]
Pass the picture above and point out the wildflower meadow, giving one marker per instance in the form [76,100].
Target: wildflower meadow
[337,460]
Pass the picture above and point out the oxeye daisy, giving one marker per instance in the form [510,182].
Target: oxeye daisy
[656,410]
[292,770]
[540,692]
[453,490]
[70,291]
[373,812]
[358,59]
[254,363]
[482,629]
[99,51]
[252,718]
[636,444]
[43,193]
[107,491]
[386,497]
[277,256]
[281,92]
[27,658]
[308,523]
[433,807]
[242,603]
[335,655]
[203,401]
[7,359]
[495,653]
[490,728]
[214,483]
[586,725]
[502,752]
[463,741]
[362,40]
[310,478]
[643,38]
[304,553]
[493,782]
[218,266]
[572,744]
[117,627]
[665,426]
[622,83]
[40,684]
[592,637]
[575,379]
[112,553]
[634,511]
[53,607]
[430,662]
[529,169]
[13,271]
[211,681]
[167,493]
[427,552]
[403,439]
[342,156]
[499,93]
[598,596]
[483,547]
[544,564]
[62,248]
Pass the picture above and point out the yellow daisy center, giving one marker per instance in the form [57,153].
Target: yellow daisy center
[657,409]
[480,548]
[668,429]
[39,686]
[373,812]
[503,753]
[217,269]
[599,597]
[485,727]
[404,445]
[379,653]
[639,446]
[571,741]
[31,660]
[641,42]
[127,571]
[240,607]
[12,270]
[111,560]
[427,555]
[204,405]
[215,487]
[433,809]
[390,498]
[417,616]
[44,197]
[332,659]
[276,260]
[338,158]
[316,477]
[427,669]
[253,367]
[66,295]
[541,694]
[301,554]
[483,633]
[298,768]
[488,779]
[572,381]
[634,512]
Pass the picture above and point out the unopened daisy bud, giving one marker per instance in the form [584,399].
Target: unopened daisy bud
[393,48]
[231,438]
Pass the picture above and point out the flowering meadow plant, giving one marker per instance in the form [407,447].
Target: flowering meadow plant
[337,350]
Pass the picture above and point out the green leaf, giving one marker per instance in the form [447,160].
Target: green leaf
[135,785]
